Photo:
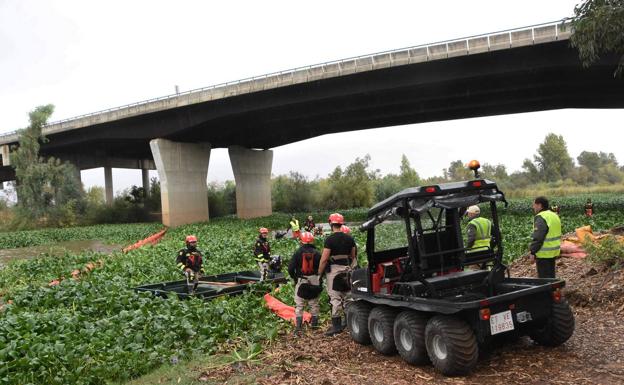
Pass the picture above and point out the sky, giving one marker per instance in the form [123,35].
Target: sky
[86,56]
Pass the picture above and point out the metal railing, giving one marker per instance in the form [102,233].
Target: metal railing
[559,26]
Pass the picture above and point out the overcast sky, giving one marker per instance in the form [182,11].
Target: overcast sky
[85,56]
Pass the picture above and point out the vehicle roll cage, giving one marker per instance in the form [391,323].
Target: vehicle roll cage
[440,248]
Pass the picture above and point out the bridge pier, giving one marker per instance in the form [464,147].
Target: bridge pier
[108,185]
[252,173]
[146,180]
[182,169]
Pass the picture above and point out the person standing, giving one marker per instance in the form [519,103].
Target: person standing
[589,208]
[262,252]
[478,231]
[546,239]
[190,261]
[309,224]
[339,256]
[303,269]
[293,225]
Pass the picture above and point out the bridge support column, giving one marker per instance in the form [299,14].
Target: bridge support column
[146,180]
[182,169]
[252,172]
[108,184]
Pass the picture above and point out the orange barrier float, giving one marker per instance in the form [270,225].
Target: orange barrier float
[152,240]
[282,310]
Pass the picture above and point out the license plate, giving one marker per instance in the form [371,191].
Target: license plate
[501,322]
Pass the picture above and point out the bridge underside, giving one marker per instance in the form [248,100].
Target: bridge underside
[525,79]
[532,78]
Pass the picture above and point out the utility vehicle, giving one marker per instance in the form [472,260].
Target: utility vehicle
[427,296]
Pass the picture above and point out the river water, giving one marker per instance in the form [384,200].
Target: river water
[57,249]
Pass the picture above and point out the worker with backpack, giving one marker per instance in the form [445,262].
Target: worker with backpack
[303,269]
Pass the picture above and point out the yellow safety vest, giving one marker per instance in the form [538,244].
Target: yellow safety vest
[294,225]
[483,233]
[552,243]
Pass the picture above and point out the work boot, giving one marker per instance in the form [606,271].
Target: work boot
[335,328]
[298,326]
[314,322]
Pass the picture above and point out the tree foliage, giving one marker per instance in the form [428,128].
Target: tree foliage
[352,187]
[552,158]
[49,191]
[408,176]
[599,30]
[291,193]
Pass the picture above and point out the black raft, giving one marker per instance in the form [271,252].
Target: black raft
[211,286]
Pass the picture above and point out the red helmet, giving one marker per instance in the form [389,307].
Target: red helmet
[264,230]
[191,238]
[345,229]
[306,237]
[336,218]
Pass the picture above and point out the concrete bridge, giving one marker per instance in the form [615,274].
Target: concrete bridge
[521,70]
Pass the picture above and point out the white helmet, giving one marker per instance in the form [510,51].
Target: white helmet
[473,210]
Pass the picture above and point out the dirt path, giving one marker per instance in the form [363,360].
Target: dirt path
[594,354]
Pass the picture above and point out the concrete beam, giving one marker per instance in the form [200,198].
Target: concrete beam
[98,159]
[108,184]
[252,172]
[182,169]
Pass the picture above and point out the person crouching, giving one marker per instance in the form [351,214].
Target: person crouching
[303,269]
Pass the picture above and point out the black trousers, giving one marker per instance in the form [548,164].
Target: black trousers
[545,267]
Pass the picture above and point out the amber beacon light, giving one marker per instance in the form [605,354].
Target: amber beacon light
[474,165]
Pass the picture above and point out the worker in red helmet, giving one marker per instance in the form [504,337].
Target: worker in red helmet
[339,257]
[190,261]
[262,252]
[309,224]
[303,269]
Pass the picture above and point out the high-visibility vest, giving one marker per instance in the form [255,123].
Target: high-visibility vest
[483,235]
[552,243]
[294,225]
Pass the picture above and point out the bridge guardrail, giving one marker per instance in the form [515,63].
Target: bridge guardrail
[511,38]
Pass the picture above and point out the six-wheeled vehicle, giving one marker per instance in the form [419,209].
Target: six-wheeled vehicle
[427,296]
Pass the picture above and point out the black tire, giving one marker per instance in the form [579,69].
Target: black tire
[451,345]
[409,337]
[381,329]
[559,327]
[357,321]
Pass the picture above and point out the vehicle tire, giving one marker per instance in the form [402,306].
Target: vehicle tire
[409,337]
[380,329]
[357,321]
[559,327]
[451,345]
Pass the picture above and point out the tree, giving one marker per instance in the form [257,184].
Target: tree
[387,185]
[457,171]
[598,30]
[408,176]
[553,161]
[291,193]
[48,190]
[497,172]
[531,170]
[352,187]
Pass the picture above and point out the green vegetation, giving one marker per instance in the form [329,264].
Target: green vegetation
[609,251]
[118,234]
[598,26]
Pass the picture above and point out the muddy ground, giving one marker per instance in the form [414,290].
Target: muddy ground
[594,354]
